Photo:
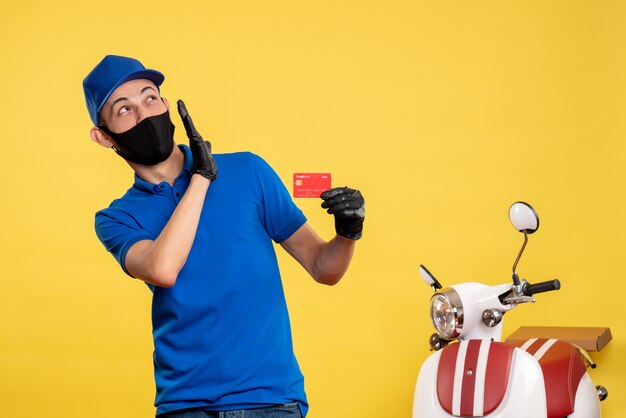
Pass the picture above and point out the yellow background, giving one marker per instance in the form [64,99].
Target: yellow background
[442,112]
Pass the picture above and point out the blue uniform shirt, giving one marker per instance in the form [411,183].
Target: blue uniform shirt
[222,338]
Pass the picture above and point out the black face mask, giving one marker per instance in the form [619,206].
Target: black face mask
[150,142]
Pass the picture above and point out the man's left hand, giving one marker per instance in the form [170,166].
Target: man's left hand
[203,161]
[348,206]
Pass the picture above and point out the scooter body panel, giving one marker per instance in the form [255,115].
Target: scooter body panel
[563,371]
[524,397]
[587,402]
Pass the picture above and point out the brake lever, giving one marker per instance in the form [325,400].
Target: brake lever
[517,296]
[517,299]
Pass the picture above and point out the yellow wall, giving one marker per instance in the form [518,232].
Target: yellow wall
[442,112]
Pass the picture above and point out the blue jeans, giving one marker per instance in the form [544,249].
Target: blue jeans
[279,411]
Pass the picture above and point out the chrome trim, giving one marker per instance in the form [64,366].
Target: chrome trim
[492,317]
[437,342]
[457,308]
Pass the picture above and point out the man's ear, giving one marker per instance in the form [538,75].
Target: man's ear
[167,103]
[100,137]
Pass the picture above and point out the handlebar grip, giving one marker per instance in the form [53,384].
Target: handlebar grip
[531,289]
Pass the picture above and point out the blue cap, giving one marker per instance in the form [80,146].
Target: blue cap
[109,74]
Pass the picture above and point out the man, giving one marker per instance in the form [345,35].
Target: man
[203,244]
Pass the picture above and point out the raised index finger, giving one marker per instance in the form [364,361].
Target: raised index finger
[187,122]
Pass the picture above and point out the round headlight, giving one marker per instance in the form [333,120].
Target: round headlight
[446,312]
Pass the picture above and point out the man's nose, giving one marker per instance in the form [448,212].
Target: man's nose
[142,114]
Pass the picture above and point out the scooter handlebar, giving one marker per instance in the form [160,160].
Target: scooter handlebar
[531,289]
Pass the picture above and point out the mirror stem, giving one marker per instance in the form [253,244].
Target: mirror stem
[516,281]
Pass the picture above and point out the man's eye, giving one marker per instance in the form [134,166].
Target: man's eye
[151,98]
[123,109]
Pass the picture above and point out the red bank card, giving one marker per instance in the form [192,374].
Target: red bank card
[310,184]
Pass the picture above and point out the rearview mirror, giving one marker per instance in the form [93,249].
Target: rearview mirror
[523,217]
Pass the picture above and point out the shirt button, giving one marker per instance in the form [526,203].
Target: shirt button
[162,186]
[177,194]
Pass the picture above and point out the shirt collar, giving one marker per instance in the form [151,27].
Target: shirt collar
[143,185]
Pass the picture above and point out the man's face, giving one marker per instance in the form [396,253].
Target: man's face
[131,103]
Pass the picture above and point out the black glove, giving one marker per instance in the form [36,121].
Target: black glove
[348,206]
[203,161]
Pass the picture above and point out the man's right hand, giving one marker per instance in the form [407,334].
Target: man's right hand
[348,206]
[203,161]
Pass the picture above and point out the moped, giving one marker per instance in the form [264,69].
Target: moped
[474,374]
